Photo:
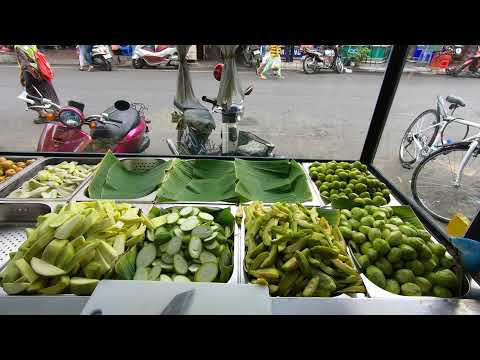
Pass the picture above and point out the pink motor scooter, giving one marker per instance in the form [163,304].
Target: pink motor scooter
[121,128]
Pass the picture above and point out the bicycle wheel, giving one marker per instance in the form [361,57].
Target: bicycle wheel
[419,128]
[433,183]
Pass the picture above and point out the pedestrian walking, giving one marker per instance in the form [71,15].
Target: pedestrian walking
[33,80]
[85,57]
[272,61]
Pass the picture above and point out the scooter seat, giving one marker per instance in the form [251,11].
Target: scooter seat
[113,130]
[457,100]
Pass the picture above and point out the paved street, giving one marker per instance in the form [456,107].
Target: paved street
[320,116]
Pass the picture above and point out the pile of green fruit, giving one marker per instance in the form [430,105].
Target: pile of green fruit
[69,251]
[296,252]
[183,244]
[396,255]
[352,181]
[54,181]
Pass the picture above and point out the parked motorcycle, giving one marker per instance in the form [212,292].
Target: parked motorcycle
[252,55]
[159,55]
[194,127]
[326,58]
[472,63]
[102,57]
[121,128]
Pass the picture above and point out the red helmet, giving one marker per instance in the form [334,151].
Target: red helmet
[217,72]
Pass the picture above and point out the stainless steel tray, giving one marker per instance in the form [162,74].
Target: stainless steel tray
[243,276]
[234,279]
[24,171]
[35,169]
[375,291]
[306,165]
[135,164]
[14,219]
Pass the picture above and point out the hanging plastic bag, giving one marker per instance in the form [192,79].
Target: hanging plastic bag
[230,85]
[195,116]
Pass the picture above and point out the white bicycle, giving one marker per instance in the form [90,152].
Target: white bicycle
[447,178]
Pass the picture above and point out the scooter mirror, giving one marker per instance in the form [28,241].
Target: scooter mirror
[122,105]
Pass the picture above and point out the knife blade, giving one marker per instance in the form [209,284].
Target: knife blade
[179,304]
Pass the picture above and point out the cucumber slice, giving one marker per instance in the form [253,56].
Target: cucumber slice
[196,211]
[190,223]
[195,247]
[167,259]
[206,257]
[163,265]
[205,216]
[45,269]
[164,277]
[211,245]
[181,221]
[228,231]
[178,232]
[186,211]
[172,218]
[180,264]
[146,255]
[142,274]
[202,232]
[155,272]
[193,268]
[174,245]
[162,248]
[211,237]
[207,272]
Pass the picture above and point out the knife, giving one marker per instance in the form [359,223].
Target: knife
[179,304]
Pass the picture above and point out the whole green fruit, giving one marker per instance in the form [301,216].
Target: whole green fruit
[375,275]
[354,224]
[411,289]
[379,201]
[360,188]
[358,213]
[358,237]
[364,229]
[395,238]
[437,249]
[364,261]
[346,232]
[442,292]
[416,266]
[429,265]
[379,224]
[367,220]
[384,265]
[424,284]
[359,201]
[391,227]
[381,246]
[372,254]
[447,261]
[392,286]
[445,278]
[424,253]
[379,215]
[408,253]
[365,246]
[395,255]
[347,213]
[414,242]
[407,230]
[374,234]
[404,276]
[398,265]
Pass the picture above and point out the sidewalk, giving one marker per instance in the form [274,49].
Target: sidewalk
[68,57]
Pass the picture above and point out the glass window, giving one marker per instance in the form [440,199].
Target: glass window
[433,119]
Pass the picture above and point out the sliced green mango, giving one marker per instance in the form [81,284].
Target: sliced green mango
[45,269]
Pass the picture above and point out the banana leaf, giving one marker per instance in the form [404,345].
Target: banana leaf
[271,181]
[113,181]
[198,180]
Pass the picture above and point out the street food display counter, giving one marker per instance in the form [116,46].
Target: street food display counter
[280,237]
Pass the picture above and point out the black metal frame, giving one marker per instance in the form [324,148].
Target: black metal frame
[380,115]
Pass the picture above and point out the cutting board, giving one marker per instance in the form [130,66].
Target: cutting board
[115,297]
